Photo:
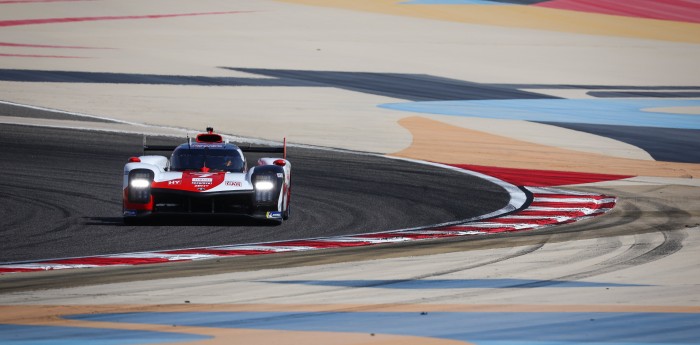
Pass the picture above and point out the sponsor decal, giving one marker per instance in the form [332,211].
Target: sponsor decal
[274,215]
[130,213]
[234,183]
[200,181]
[204,145]
[280,175]
[175,182]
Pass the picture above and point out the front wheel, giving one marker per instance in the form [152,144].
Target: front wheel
[133,220]
[285,214]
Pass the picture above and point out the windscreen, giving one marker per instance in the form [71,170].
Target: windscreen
[184,159]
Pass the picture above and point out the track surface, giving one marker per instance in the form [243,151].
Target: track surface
[61,197]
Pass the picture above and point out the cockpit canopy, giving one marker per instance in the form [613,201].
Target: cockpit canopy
[214,158]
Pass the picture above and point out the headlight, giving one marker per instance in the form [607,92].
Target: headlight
[140,183]
[264,185]
[140,186]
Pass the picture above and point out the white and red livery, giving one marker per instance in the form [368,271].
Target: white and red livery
[207,175]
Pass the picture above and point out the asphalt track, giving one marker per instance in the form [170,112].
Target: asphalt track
[61,197]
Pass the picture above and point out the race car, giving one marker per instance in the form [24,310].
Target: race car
[207,175]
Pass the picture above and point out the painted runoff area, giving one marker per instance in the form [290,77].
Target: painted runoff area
[482,328]
[616,112]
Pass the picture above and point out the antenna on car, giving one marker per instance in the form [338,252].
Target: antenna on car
[144,144]
[189,140]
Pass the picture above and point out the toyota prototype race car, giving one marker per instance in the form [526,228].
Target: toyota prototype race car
[207,175]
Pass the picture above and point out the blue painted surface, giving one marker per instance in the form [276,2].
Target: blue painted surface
[622,112]
[450,2]
[481,328]
[56,335]
[454,283]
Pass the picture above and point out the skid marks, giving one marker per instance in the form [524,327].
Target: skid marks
[547,207]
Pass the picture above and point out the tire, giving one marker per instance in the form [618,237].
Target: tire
[285,214]
[132,221]
[271,222]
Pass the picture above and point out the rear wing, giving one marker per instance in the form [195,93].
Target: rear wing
[158,148]
[258,149]
[267,149]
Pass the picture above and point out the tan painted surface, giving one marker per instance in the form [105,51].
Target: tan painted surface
[677,110]
[30,314]
[546,135]
[528,17]
[335,118]
[52,316]
[439,142]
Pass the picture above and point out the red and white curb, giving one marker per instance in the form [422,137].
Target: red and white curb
[544,207]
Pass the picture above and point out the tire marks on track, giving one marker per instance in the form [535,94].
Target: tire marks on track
[645,249]
[560,207]
[64,189]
